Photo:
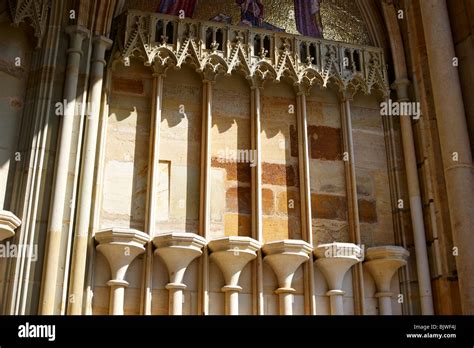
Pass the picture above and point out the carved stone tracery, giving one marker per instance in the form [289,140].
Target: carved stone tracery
[34,12]
[344,66]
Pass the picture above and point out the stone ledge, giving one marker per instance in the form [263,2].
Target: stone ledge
[387,252]
[122,235]
[9,222]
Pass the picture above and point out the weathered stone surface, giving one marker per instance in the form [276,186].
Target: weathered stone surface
[275,228]
[325,143]
[446,288]
[367,211]
[229,134]
[288,203]
[366,117]
[237,225]
[16,103]
[369,149]
[323,108]
[235,171]
[367,232]
[218,194]
[328,231]
[268,202]
[276,140]
[327,177]
[329,207]
[277,174]
[124,85]
[365,186]
[231,98]
[238,200]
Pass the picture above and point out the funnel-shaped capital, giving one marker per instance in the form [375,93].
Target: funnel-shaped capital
[335,259]
[382,262]
[231,254]
[178,250]
[8,224]
[120,246]
[284,257]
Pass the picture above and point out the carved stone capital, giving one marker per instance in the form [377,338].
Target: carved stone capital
[335,259]
[178,250]
[382,262]
[232,254]
[284,257]
[9,222]
[120,246]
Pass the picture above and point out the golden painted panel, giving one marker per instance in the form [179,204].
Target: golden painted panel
[342,19]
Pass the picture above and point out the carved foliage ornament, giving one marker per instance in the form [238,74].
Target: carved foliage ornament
[33,12]
[364,69]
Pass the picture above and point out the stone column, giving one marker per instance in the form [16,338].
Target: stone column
[120,247]
[256,142]
[284,257]
[58,200]
[305,195]
[382,263]
[416,210]
[205,193]
[9,222]
[154,153]
[177,250]
[352,199]
[454,140]
[416,205]
[334,260]
[152,184]
[78,261]
[205,189]
[232,254]
[256,172]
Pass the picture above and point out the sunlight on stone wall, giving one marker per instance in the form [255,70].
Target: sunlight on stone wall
[126,152]
[280,186]
[230,173]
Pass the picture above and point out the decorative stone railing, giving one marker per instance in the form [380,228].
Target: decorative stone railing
[164,41]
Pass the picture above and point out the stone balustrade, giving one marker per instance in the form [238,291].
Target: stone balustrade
[166,41]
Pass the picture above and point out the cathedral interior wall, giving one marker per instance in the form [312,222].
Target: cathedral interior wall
[123,198]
